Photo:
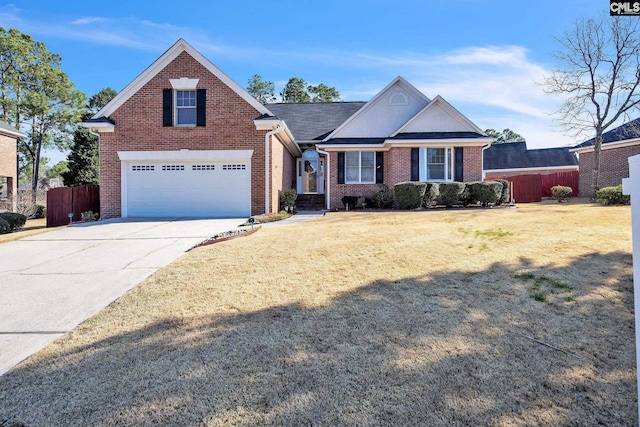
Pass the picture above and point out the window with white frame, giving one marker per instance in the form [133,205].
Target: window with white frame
[185,107]
[436,164]
[360,167]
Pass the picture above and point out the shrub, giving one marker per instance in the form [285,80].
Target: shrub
[410,195]
[485,193]
[451,193]
[41,211]
[383,198]
[15,221]
[350,201]
[369,202]
[612,196]
[561,193]
[4,226]
[505,197]
[288,199]
[432,191]
[89,216]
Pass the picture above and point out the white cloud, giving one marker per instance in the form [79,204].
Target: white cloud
[89,20]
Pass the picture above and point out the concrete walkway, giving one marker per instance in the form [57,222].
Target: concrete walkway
[52,282]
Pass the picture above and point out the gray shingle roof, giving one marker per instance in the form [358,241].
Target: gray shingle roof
[513,155]
[4,126]
[309,121]
[100,120]
[628,130]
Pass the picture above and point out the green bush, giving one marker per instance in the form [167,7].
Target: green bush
[288,199]
[383,198]
[89,216]
[410,195]
[350,202]
[15,221]
[451,193]
[432,191]
[4,226]
[41,212]
[505,197]
[561,193]
[612,196]
[485,193]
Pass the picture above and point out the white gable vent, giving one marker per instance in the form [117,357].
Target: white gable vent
[398,98]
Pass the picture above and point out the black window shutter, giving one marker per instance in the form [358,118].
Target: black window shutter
[167,107]
[341,168]
[379,167]
[459,167]
[201,107]
[415,164]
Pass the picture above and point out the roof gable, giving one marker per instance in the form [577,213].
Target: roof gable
[384,113]
[159,64]
[439,116]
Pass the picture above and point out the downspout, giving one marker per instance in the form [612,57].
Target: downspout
[267,139]
[327,176]
[484,174]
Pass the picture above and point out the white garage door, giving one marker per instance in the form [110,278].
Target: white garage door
[174,188]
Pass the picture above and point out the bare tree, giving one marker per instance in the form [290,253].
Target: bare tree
[599,73]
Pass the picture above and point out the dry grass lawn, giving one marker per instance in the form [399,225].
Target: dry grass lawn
[433,318]
[31,228]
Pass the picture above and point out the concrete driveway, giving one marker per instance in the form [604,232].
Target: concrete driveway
[52,282]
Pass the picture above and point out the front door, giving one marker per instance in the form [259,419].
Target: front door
[310,175]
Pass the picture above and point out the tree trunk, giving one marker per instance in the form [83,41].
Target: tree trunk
[595,178]
[36,169]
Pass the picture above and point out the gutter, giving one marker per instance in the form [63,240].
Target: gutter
[267,140]
[327,176]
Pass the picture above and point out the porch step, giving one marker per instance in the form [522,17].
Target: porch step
[310,202]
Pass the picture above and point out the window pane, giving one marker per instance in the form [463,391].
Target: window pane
[435,172]
[352,174]
[186,116]
[186,98]
[367,174]
[449,163]
[352,158]
[368,158]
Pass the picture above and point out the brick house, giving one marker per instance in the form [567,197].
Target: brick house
[183,139]
[9,160]
[617,146]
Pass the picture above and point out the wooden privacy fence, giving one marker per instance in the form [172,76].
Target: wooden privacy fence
[532,188]
[62,201]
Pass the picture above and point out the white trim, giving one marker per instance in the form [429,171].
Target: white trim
[327,177]
[368,105]
[99,126]
[413,143]
[184,83]
[532,169]
[11,133]
[359,181]
[449,168]
[165,59]
[185,155]
[289,142]
[448,108]
[608,145]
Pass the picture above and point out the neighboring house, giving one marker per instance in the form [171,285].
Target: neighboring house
[617,146]
[183,139]
[9,159]
[513,158]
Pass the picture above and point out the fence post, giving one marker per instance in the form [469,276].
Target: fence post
[631,187]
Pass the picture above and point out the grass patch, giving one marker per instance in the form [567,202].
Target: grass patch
[362,318]
[494,233]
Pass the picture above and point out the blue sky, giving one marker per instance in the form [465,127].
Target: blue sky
[486,57]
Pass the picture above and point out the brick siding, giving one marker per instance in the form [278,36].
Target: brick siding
[397,168]
[229,125]
[8,162]
[614,165]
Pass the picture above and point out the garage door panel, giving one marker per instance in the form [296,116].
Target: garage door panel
[197,189]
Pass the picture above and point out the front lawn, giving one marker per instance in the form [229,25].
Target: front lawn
[504,317]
